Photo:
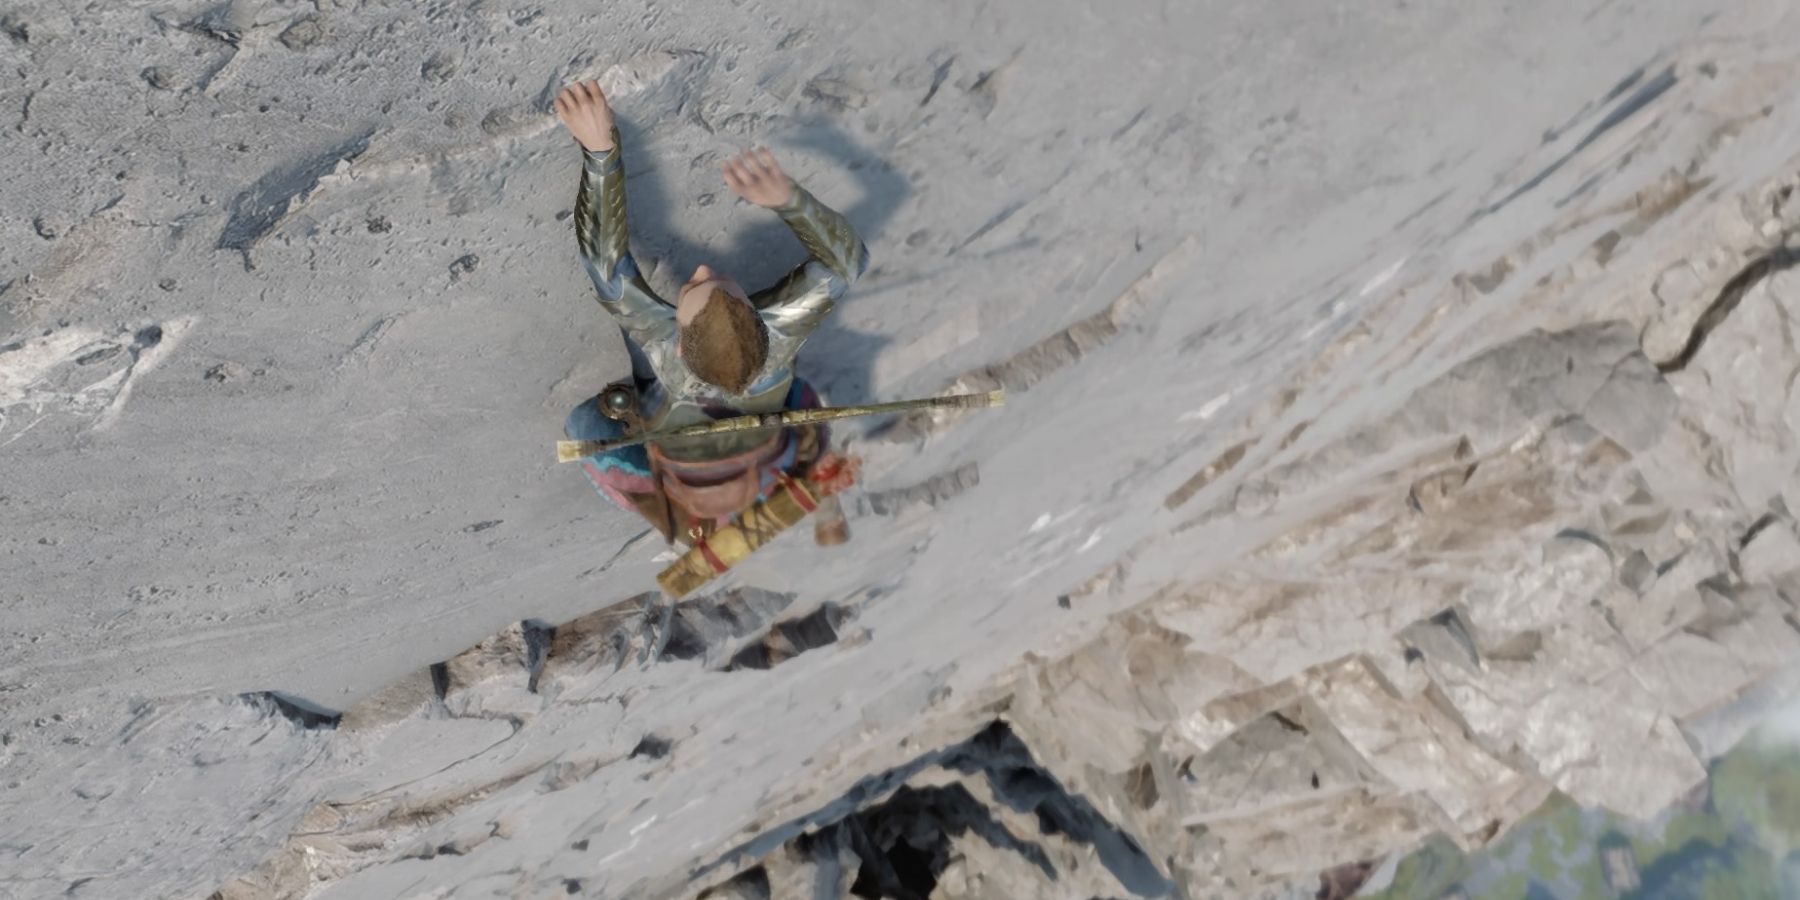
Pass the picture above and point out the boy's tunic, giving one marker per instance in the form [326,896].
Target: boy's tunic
[792,309]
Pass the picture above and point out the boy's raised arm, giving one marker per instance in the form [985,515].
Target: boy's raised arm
[600,227]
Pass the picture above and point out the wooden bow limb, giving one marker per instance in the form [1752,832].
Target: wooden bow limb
[570,451]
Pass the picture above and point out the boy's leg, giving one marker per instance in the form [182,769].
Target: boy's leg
[616,473]
[830,528]
[802,395]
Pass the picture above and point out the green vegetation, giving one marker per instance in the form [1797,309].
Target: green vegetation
[1543,859]
[1683,829]
[1429,872]
[1730,851]
[1757,788]
[1735,871]
[1512,887]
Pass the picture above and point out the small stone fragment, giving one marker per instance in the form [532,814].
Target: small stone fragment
[463,265]
[101,355]
[440,66]
[225,371]
[509,121]
[158,77]
[303,34]
[167,284]
[378,225]
[1637,572]
[15,28]
[221,23]
[834,95]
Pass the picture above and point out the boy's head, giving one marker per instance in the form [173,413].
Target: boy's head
[722,338]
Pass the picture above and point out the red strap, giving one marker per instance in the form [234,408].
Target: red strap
[706,552]
[712,559]
[798,493]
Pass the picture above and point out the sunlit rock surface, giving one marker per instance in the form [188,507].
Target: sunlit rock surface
[1401,436]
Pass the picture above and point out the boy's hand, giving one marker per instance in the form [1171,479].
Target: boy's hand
[755,176]
[582,109]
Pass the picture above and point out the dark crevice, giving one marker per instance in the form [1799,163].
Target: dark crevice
[1287,722]
[993,222]
[1457,627]
[750,884]
[1639,99]
[1415,214]
[707,622]
[1756,528]
[1588,537]
[651,747]
[1345,881]
[539,636]
[1625,84]
[299,710]
[1140,786]
[786,640]
[905,843]
[905,836]
[1664,567]
[1764,266]
[440,681]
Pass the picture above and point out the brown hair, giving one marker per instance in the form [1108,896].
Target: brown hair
[726,344]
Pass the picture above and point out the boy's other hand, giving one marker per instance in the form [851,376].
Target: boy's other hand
[582,109]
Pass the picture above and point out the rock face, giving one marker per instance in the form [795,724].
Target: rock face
[1561,565]
[1383,454]
[1439,651]
[1512,605]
